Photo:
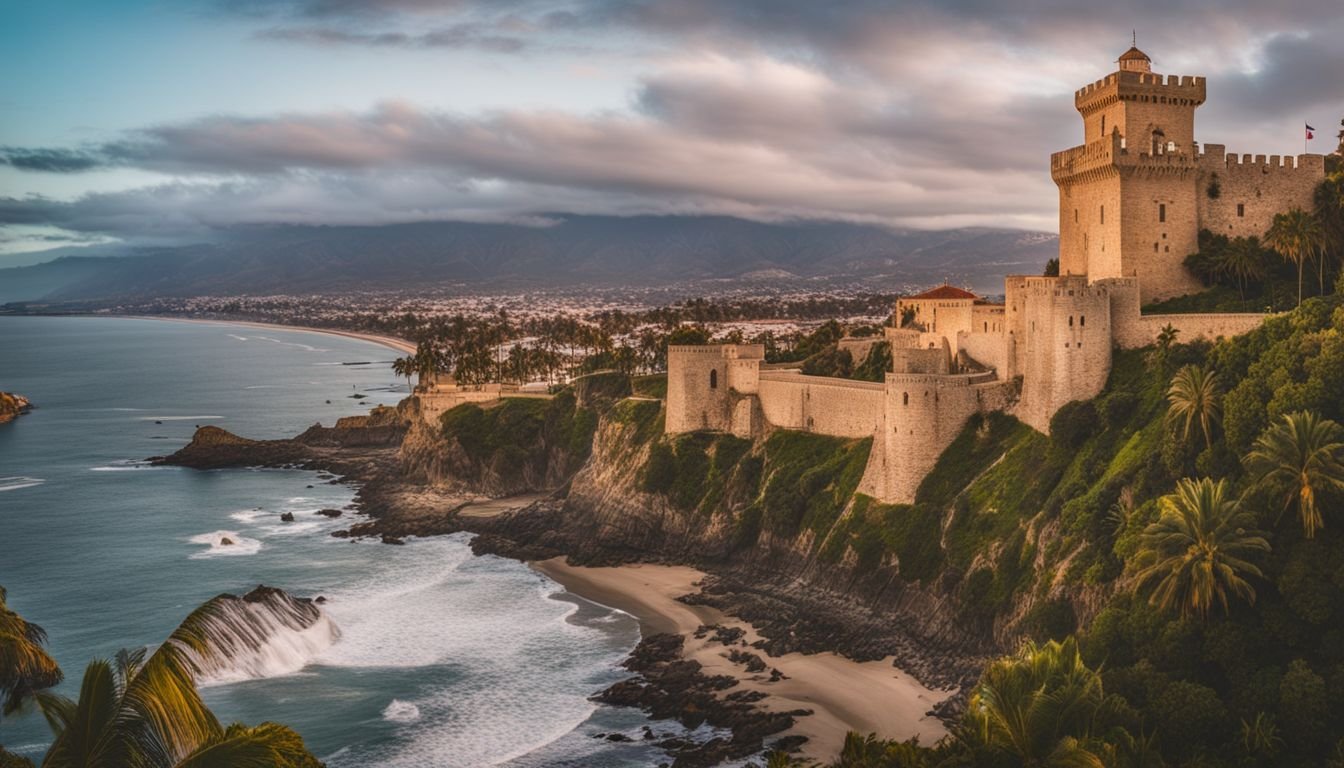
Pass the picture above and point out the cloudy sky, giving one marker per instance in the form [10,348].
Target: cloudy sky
[165,119]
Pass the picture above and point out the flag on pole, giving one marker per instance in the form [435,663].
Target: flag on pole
[1310,134]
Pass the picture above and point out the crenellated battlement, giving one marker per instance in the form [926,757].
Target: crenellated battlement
[1216,157]
[1188,90]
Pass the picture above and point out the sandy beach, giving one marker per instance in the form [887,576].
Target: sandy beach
[391,342]
[844,695]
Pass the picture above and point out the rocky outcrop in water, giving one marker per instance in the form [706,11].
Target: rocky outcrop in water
[12,406]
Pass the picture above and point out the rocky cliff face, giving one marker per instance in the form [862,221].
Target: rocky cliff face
[725,510]
[12,406]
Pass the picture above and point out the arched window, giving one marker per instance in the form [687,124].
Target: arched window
[713,379]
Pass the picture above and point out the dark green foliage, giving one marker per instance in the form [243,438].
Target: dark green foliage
[644,415]
[826,335]
[520,433]
[1052,620]
[839,363]
[809,479]
[1303,713]
[910,533]
[1051,268]
[1072,424]
[654,385]
[1190,718]
[693,470]
[876,365]
[982,441]
[830,361]
[688,335]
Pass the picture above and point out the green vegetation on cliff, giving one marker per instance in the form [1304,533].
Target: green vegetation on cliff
[520,435]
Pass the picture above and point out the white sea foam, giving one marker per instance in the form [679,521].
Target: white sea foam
[401,712]
[291,529]
[215,539]
[16,483]
[236,336]
[250,515]
[431,603]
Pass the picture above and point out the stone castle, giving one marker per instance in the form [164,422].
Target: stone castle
[1132,200]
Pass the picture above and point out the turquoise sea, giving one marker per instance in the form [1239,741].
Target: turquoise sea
[444,659]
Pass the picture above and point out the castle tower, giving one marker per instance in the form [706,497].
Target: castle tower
[1127,195]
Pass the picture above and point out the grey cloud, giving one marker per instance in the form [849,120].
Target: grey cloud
[50,160]
[461,36]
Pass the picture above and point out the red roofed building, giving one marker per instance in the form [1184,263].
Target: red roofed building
[945,291]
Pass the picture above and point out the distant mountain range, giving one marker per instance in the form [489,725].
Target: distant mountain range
[576,250]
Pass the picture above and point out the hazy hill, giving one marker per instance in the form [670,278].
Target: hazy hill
[647,250]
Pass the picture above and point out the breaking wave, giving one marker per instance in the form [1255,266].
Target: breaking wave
[265,633]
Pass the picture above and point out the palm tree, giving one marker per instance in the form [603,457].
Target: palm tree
[1040,706]
[1297,236]
[1199,550]
[25,666]
[1193,395]
[1243,260]
[1166,337]
[148,713]
[1305,454]
[405,366]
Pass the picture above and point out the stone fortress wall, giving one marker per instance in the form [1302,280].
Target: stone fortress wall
[1133,198]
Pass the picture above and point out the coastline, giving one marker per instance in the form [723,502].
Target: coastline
[844,695]
[391,342]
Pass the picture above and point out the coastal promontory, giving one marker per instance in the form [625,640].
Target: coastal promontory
[12,406]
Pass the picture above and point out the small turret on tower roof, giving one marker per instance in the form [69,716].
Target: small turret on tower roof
[1135,60]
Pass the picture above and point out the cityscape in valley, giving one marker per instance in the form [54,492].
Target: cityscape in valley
[576,461]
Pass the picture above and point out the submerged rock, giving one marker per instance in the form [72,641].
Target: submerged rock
[226,542]
[329,512]
[286,517]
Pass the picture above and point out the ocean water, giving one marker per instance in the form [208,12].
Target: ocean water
[443,659]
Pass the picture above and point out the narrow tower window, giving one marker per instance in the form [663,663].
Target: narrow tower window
[1103,214]
[713,379]
[905,398]
[1162,212]
[1241,209]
